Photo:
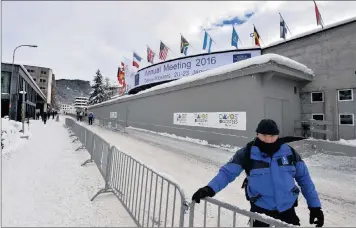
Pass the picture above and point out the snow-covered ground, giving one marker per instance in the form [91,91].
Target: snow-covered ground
[11,135]
[43,184]
[193,166]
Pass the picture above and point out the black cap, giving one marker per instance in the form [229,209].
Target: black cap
[267,127]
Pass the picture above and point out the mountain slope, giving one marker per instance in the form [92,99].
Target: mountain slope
[67,90]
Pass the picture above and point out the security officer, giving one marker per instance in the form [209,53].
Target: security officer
[271,167]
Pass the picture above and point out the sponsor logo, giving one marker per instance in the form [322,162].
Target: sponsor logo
[137,79]
[229,118]
[181,117]
[201,118]
[239,57]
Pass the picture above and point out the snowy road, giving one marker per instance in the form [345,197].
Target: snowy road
[194,165]
[43,184]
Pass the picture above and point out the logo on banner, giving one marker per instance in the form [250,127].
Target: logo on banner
[181,118]
[201,118]
[137,79]
[239,57]
[229,119]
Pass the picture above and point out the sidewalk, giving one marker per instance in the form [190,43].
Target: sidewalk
[43,184]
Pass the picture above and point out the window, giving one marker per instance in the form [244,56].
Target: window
[346,119]
[317,97]
[318,116]
[346,95]
[5,82]
[34,79]
[40,80]
[44,80]
[295,90]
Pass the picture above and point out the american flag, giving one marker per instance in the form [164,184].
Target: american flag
[150,55]
[163,51]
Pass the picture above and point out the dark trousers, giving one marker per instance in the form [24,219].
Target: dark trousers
[288,216]
[90,121]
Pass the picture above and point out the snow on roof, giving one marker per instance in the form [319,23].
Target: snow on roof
[258,60]
[310,32]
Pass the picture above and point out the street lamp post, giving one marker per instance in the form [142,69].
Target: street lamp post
[23,92]
[12,69]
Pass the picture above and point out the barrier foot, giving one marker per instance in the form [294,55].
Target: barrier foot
[86,162]
[101,191]
[81,147]
[72,135]
[74,140]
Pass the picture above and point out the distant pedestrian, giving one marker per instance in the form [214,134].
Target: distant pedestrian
[90,118]
[44,117]
[81,116]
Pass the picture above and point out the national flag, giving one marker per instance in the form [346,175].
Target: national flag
[234,37]
[282,28]
[184,44]
[136,60]
[207,39]
[150,55]
[163,51]
[256,36]
[319,20]
[121,76]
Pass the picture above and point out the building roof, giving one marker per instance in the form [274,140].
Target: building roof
[312,32]
[277,63]
[36,87]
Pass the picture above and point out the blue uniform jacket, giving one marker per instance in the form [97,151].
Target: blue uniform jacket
[272,178]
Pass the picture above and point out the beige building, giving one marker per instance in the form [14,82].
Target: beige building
[45,79]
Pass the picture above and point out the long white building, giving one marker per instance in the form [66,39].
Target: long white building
[81,103]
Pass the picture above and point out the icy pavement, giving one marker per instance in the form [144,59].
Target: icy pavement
[194,165]
[43,184]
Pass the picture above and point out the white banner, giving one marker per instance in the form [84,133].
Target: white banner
[224,120]
[179,68]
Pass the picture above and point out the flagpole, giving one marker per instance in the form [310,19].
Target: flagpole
[285,24]
[170,49]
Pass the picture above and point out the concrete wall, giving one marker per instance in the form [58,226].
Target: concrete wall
[247,94]
[331,54]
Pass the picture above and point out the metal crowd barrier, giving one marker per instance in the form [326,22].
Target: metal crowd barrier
[152,199]
[219,214]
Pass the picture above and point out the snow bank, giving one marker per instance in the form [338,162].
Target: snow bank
[188,139]
[318,29]
[10,135]
[258,60]
[351,142]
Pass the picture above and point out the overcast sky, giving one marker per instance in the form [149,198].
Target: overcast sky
[77,38]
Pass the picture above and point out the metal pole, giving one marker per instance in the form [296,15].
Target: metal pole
[12,72]
[23,106]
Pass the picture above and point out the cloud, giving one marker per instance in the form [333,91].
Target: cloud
[75,38]
[235,20]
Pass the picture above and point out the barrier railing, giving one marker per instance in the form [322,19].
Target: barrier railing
[219,214]
[150,198]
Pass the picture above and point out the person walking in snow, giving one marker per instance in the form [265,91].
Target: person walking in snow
[90,118]
[44,117]
[271,167]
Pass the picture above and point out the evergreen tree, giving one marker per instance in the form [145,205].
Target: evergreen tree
[98,94]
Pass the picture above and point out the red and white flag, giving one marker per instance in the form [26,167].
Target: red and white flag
[136,60]
[163,51]
[150,55]
[319,20]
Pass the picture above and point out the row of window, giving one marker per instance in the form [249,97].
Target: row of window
[42,87]
[343,95]
[30,71]
[344,118]
[41,80]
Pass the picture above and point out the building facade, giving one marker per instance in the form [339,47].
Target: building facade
[330,97]
[66,108]
[11,99]
[81,103]
[113,90]
[44,78]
